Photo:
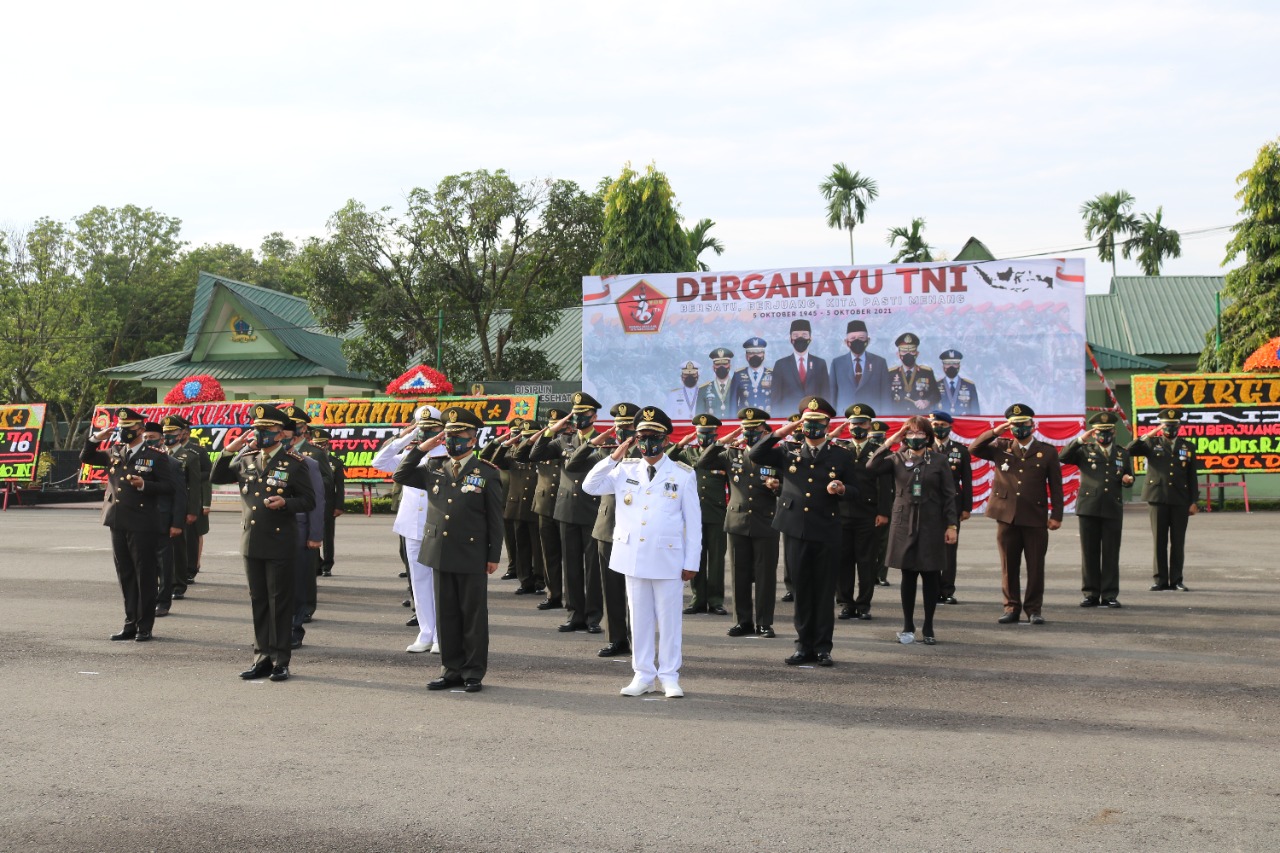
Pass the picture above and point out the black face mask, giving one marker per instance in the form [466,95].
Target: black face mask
[1105,436]
[942,431]
[755,360]
[951,370]
[1171,430]
[857,346]
[1022,431]
[706,437]
[859,433]
[128,434]
[582,420]
[876,438]
[690,380]
[457,445]
[908,359]
[722,372]
[800,344]
[171,439]
[624,434]
[266,438]
[753,435]
[651,445]
[916,442]
[153,443]
[815,430]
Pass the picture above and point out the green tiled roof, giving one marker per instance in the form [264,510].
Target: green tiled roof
[1109,359]
[1154,315]
[175,366]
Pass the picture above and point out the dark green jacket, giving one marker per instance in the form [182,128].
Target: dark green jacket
[1102,473]
[268,534]
[712,497]
[752,504]
[1172,469]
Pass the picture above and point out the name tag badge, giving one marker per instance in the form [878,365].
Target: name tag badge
[631,482]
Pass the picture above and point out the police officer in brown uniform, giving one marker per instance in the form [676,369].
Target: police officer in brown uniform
[576,512]
[462,542]
[1172,493]
[614,584]
[814,478]
[862,513]
[708,584]
[1105,472]
[137,477]
[1026,470]
[748,521]
[544,507]
[956,455]
[274,488]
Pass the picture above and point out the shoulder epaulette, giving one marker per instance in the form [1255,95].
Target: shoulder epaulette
[490,464]
[289,451]
[683,465]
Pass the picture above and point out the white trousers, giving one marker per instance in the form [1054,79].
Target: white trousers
[422,579]
[655,607]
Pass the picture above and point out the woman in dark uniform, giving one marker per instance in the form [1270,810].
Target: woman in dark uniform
[924,518]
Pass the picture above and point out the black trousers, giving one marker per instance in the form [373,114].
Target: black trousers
[614,586]
[1169,530]
[814,576]
[708,584]
[513,550]
[136,569]
[755,563]
[1100,556]
[326,550]
[786,568]
[583,597]
[304,581]
[529,555]
[881,546]
[552,555]
[947,583]
[857,563]
[166,551]
[462,623]
[271,597]
[191,537]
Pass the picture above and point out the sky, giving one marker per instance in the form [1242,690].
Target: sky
[988,119]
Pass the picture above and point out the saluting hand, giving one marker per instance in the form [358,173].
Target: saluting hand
[834,432]
[432,443]
[560,424]
[603,437]
[620,452]
[897,436]
[731,437]
[101,435]
[787,428]
[688,439]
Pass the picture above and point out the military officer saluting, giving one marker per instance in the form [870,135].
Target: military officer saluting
[959,396]
[174,567]
[957,458]
[1105,472]
[545,494]
[655,545]
[1172,493]
[137,476]
[863,512]
[753,500]
[274,488]
[708,585]
[717,396]
[752,384]
[1026,470]
[912,386]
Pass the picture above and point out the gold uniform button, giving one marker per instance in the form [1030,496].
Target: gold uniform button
[807,495]
[641,538]
[806,509]
[446,518]
[251,521]
[446,533]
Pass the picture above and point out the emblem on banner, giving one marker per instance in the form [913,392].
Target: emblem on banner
[641,308]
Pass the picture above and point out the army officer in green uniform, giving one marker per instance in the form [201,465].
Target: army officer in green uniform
[1172,492]
[1105,472]
[274,488]
[708,584]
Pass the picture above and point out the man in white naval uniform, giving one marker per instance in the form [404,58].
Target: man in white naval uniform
[657,540]
[411,520]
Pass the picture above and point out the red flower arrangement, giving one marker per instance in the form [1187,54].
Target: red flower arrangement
[200,388]
[1264,358]
[420,381]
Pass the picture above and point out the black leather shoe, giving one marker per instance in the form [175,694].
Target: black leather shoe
[786,596]
[1009,618]
[863,614]
[443,683]
[143,637]
[718,610]
[472,685]
[125,634]
[404,574]
[613,650]
[509,576]
[825,660]
[551,604]
[1111,602]
[295,644]
[882,583]
[690,610]
[594,629]
[306,620]
[191,580]
[799,658]
[525,591]
[279,673]
[1181,587]
[261,669]
[570,627]
[766,631]
[928,640]
[948,599]
[178,596]
[408,602]
[1089,601]
[741,630]
[847,613]
[1159,587]
[161,610]
[1035,619]
[412,623]
[326,573]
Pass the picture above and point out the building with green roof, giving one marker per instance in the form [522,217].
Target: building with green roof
[258,343]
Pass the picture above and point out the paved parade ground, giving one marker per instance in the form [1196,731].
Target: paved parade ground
[1154,727]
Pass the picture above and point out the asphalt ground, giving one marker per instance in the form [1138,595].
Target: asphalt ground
[1154,727]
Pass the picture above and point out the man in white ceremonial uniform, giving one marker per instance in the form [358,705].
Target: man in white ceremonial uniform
[411,520]
[657,540]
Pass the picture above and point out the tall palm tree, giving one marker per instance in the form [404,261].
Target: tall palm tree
[700,241]
[847,194]
[914,249]
[1153,242]
[1107,217]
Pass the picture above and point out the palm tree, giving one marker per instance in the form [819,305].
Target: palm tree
[1105,217]
[699,240]
[1153,242]
[847,194]
[914,249]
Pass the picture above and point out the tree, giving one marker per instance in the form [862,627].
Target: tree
[1106,218]
[1251,295]
[641,231]
[499,258]
[847,194]
[1152,242]
[914,249]
[700,241]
